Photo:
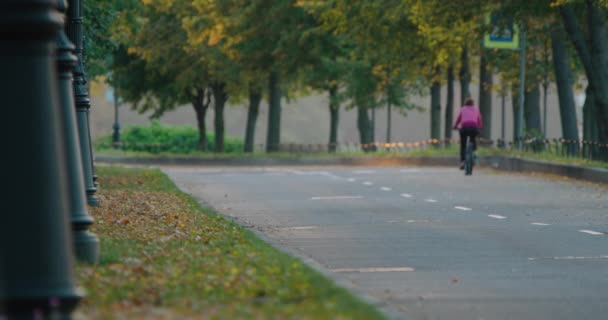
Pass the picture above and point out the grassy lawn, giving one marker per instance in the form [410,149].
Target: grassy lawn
[163,256]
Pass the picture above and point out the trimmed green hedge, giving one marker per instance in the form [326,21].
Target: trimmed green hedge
[156,137]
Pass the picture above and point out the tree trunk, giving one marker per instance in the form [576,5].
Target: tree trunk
[598,35]
[449,109]
[334,118]
[594,58]
[388,122]
[532,111]
[503,115]
[436,109]
[372,126]
[546,71]
[255,97]
[515,102]
[485,97]
[590,129]
[274,113]
[564,81]
[219,97]
[200,103]
[465,75]
[363,124]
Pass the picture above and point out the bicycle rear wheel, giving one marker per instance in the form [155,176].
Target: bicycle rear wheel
[468,158]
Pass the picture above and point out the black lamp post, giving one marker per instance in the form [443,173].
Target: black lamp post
[36,264]
[116,126]
[86,244]
[82,100]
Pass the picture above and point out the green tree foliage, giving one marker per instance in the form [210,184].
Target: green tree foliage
[269,40]
[363,54]
[158,49]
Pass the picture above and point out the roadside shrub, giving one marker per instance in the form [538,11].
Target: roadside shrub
[156,138]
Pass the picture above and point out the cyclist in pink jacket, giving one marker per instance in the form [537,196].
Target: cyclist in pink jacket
[469,123]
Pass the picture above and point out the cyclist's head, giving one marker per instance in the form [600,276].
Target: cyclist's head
[469,101]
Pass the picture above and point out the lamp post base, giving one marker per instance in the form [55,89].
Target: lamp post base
[86,246]
[93,201]
[59,308]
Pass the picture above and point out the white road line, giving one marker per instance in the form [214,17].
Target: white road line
[594,233]
[352,180]
[430,200]
[331,175]
[301,228]
[336,198]
[463,208]
[365,270]
[495,216]
[570,258]
[386,189]
[368,183]
[364,172]
[539,224]
[422,221]
[314,173]
[406,195]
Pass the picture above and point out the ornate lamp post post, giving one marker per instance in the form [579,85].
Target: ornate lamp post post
[116,126]
[36,264]
[81,97]
[86,244]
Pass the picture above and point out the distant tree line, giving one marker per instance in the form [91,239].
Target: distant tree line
[365,55]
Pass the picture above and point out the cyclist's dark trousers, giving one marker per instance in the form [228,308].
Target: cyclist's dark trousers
[464,133]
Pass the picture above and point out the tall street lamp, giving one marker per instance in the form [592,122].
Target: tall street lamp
[81,97]
[86,244]
[112,97]
[116,126]
[36,264]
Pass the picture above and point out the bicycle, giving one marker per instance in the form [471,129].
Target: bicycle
[469,158]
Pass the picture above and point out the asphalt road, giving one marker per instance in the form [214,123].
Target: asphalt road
[429,243]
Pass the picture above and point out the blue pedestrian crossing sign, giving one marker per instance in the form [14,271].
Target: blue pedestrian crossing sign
[504,33]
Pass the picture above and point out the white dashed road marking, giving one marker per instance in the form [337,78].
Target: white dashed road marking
[365,270]
[301,228]
[352,180]
[336,198]
[406,195]
[313,173]
[495,216]
[431,200]
[539,224]
[463,208]
[570,258]
[386,189]
[593,233]
[364,172]
[422,221]
[368,183]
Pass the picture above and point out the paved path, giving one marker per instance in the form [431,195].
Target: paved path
[428,242]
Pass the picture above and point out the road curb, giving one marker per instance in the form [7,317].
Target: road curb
[303,161]
[510,164]
[385,309]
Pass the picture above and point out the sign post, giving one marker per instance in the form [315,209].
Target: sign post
[506,35]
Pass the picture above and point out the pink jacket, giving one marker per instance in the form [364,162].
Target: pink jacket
[469,117]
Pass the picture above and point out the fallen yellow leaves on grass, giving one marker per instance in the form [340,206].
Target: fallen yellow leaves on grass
[164,257]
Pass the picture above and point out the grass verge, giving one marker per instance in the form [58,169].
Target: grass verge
[165,257]
[452,150]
